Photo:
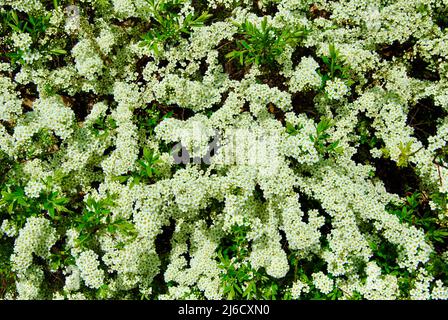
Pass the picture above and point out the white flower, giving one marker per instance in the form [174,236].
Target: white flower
[36,237]
[323,282]
[299,287]
[336,89]
[90,270]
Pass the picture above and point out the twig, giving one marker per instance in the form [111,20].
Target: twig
[440,175]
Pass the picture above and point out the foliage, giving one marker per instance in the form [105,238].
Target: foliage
[293,129]
[441,157]
[44,143]
[417,212]
[7,276]
[19,206]
[321,138]
[168,27]
[405,154]
[365,136]
[103,126]
[96,218]
[239,279]
[36,27]
[147,164]
[264,44]
[147,168]
[150,118]
[335,67]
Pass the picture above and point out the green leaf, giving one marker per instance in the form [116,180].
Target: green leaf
[58,51]
[245,44]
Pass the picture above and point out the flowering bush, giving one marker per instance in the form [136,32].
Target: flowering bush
[174,149]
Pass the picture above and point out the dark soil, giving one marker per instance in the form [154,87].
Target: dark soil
[203,66]
[28,94]
[303,102]
[81,103]
[419,71]
[231,67]
[395,49]
[424,117]
[140,65]
[163,248]
[301,52]
[398,180]
[441,19]
[278,113]
[178,112]
[273,78]
[315,12]
[362,155]
[109,150]
[307,203]
[163,240]
[269,9]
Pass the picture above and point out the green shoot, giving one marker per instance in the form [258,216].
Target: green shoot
[168,27]
[263,45]
[321,138]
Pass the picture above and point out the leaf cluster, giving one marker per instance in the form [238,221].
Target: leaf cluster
[263,45]
[96,218]
[335,67]
[35,26]
[293,130]
[147,168]
[19,206]
[151,118]
[7,276]
[405,154]
[44,144]
[103,126]
[239,280]
[321,138]
[168,25]
[416,211]
[365,136]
